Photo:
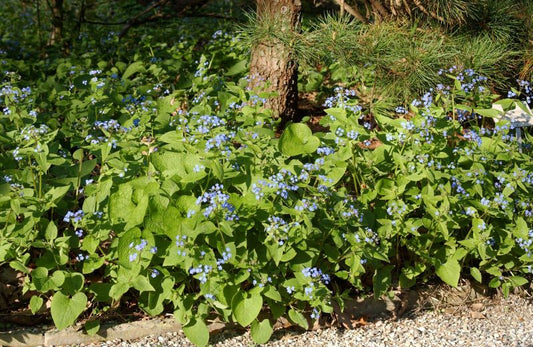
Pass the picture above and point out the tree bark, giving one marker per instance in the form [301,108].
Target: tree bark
[56,34]
[272,61]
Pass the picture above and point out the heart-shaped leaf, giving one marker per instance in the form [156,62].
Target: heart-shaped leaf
[65,310]
[73,283]
[43,282]
[298,139]
[449,272]
[246,308]
[36,302]
[92,327]
[261,331]
[298,318]
[197,332]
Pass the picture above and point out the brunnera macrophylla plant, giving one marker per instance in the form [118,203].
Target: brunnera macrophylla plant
[186,200]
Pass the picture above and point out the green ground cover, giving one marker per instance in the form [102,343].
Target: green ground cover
[147,171]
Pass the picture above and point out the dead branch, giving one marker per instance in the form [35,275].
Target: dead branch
[429,13]
[353,11]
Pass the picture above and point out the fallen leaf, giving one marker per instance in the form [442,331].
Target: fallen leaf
[477,315]
[361,321]
[477,307]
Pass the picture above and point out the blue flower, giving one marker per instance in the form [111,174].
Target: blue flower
[325,150]
[73,216]
[217,201]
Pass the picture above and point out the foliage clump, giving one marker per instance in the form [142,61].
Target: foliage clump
[159,179]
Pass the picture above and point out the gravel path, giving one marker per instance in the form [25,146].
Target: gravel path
[506,322]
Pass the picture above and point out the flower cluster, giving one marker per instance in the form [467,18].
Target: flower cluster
[31,132]
[305,204]
[15,94]
[283,182]
[342,98]
[278,229]
[316,273]
[203,270]
[526,244]
[219,141]
[217,200]
[75,217]
[226,255]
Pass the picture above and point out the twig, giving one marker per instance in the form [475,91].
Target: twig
[90,21]
[378,7]
[134,21]
[429,13]
[353,11]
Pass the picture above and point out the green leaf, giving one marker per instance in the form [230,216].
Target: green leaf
[246,307]
[476,274]
[518,281]
[523,106]
[118,289]
[197,332]
[94,262]
[382,280]
[489,112]
[65,310]
[169,163]
[87,167]
[78,154]
[19,266]
[134,68]
[272,293]
[138,214]
[298,139]
[338,113]
[449,272]
[51,231]
[120,205]
[261,331]
[495,282]
[100,291]
[43,282]
[238,68]
[124,250]
[505,103]
[92,327]
[58,192]
[298,318]
[73,283]
[36,302]
[142,284]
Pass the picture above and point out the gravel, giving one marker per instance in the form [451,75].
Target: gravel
[504,322]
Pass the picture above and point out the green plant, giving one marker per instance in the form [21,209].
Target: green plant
[159,179]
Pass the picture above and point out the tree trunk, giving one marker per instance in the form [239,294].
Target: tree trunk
[56,34]
[274,62]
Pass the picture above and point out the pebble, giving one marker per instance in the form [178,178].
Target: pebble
[507,322]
